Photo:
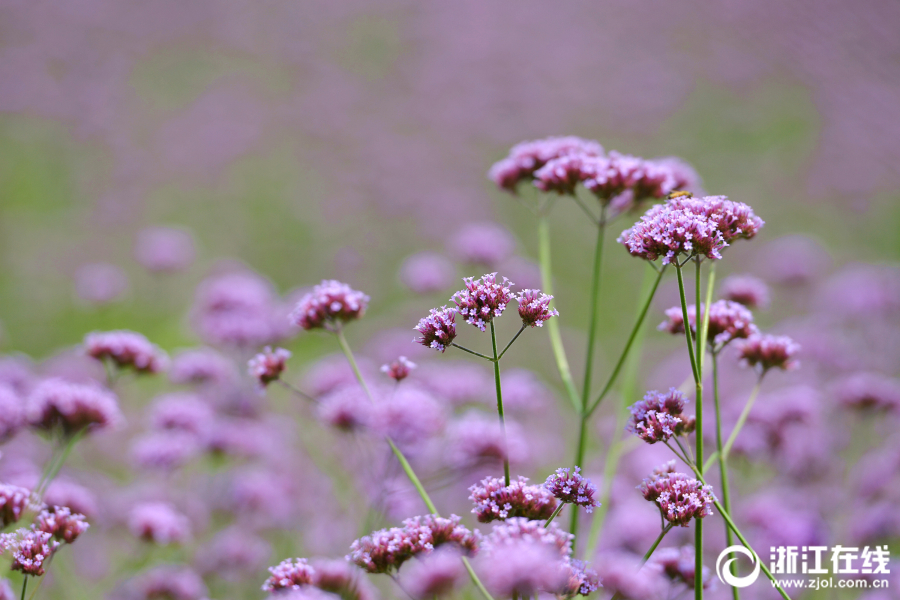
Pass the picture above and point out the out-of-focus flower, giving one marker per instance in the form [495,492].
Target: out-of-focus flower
[623,574]
[658,416]
[436,574]
[268,365]
[13,501]
[289,574]
[347,408]
[679,566]
[767,351]
[495,501]
[484,244]
[747,290]
[438,329]
[233,553]
[160,523]
[427,272]
[61,523]
[329,305]
[237,309]
[679,497]
[170,582]
[520,529]
[476,438]
[75,497]
[483,299]
[201,365]
[524,568]
[340,577]
[71,407]
[100,283]
[409,416]
[582,579]
[17,372]
[569,486]
[727,321]
[126,350]
[12,412]
[434,531]
[181,411]
[527,157]
[534,307]
[869,390]
[399,369]
[563,174]
[165,450]
[6,591]
[164,249]
[30,550]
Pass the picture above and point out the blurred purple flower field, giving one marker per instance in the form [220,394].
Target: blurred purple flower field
[261,262]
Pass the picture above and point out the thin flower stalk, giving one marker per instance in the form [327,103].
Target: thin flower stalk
[723,465]
[500,402]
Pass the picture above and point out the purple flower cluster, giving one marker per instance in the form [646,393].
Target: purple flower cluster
[268,365]
[520,529]
[71,407]
[582,579]
[680,498]
[289,574]
[438,329]
[14,501]
[330,304]
[746,290]
[436,574]
[690,226]
[30,548]
[569,486]
[727,321]
[159,522]
[483,299]
[765,351]
[383,551]
[495,501]
[534,307]
[658,416]
[126,350]
[399,369]
[527,157]
[201,366]
[61,523]
[679,566]
[869,391]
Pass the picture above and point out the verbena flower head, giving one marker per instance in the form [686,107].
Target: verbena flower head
[126,350]
[30,550]
[563,174]
[180,411]
[519,529]
[340,577]
[679,565]
[71,407]
[165,450]
[14,501]
[268,365]
[569,486]
[691,227]
[233,553]
[679,497]
[727,321]
[765,351]
[399,369]
[582,579]
[483,299]
[61,523]
[346,408]
[486,244]
[159,522]
[436,574]
[624,575]
[434,531]
[524,568]
[746,290]
[329,305]
[12,412]
[495,501]
[201,365]
[289,574]
[164,249]
[869,391]
[534,307]
[100,283]
[409,416]
[427,272]
[438,329]
[658,416]
[170,582]
[477,439]
[527,157]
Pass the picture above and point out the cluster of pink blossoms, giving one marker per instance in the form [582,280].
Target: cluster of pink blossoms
[399,369]
[746,290]
[534,307]
[32,547]
[727,321]
[330,304]
[438,329]
[680,498]
[268,365]
[658,416]
[483,299]
[527,157]
[71,407]
[765,351]
[569,486]
[690,226]
[383,551]
[126,350]
[495,501]
[289,574]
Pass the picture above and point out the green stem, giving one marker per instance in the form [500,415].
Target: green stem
[704,326]
[407,468]
[500,404]
[24,585]
[478,354]
[559,351]
[595,300]
[698,350]
[555,514]
[634,331]
[515,337]
[58,464]
[652,549]
[723,468]
[687,323]
[726,450]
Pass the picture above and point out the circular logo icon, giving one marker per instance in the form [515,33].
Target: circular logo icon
[723,570]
